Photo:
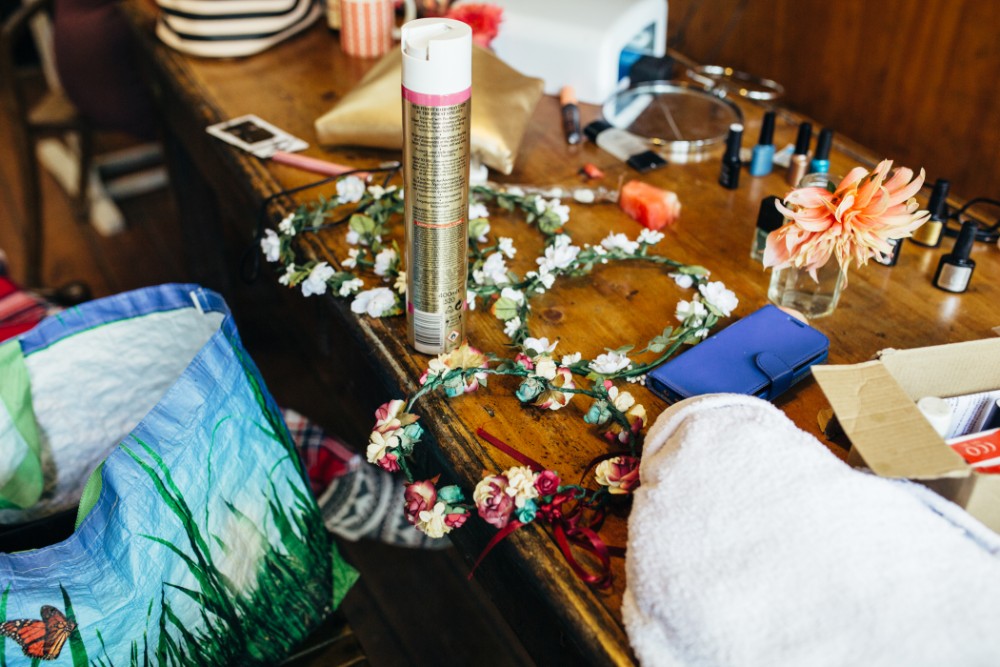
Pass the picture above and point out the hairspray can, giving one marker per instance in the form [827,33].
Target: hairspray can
[437,87]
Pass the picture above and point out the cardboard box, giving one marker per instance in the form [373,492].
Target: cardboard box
[875,403]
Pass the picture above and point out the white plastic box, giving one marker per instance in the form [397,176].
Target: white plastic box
[579,43]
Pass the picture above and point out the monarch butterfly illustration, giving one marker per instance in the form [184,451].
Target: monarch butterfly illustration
[40,639]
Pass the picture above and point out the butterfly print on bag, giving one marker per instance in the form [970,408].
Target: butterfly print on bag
[40,639]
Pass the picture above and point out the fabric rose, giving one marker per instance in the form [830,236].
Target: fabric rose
[552,398]
[418,497]
[529,389]
[636,416]
[433,522]
[392,415]
[620,474]
[493,503]
[545,367]
[521,484]
[455,517]
[463,357]
[379,445]
[547,483]
[552,510]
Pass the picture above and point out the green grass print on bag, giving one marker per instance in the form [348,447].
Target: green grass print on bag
[199,521]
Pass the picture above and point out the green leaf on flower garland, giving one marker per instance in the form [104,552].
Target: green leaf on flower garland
[505,309]
[362,224]
[660,343]
[693,270]
[549,222]
[505,203]
[478,227]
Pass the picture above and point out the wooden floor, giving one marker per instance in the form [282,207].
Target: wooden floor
[410,607]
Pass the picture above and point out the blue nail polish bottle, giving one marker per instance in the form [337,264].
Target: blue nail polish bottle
[762,159]
[821,159]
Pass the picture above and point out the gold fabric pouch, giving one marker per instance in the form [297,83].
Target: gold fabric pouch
[502,103]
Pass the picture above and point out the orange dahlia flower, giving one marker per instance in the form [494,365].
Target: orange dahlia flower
[853,223]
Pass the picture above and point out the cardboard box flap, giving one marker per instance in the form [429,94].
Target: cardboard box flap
[945,370]
[884,425]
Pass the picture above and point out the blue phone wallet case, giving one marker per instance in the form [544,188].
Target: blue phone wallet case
[762,354]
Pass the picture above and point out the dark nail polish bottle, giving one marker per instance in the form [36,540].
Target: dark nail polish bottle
[820,163]
[929,234]
[769,218]
[955,269]
[893,256]
[763,153]
[729,177]
[799,164]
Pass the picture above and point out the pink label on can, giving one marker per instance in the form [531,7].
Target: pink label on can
[427,100]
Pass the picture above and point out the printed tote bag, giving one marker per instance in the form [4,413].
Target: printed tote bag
[197,540]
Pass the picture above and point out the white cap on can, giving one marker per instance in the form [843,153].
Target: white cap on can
[437,56]
[937,412]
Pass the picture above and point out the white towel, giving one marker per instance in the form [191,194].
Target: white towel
[751,544]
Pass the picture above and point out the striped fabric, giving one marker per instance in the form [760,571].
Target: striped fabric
[358,501]
[366,27]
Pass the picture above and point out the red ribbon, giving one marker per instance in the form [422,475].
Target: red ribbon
[566,527]
[523,459]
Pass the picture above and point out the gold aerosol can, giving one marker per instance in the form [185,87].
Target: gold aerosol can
[437,92]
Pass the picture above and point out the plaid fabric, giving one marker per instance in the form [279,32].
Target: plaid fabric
[325,457]
[357,500]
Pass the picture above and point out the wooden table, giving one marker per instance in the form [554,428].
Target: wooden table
[559,618]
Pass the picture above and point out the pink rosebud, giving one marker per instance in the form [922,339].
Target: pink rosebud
[389,463]
[620,474]
[418,497]
[547,483]
[456,519]
[552,511]
[524,360]
[492,501]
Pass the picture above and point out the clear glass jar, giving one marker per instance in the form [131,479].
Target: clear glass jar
[819,179]
[795,288]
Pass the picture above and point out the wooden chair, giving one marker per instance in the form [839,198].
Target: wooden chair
[52,115]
